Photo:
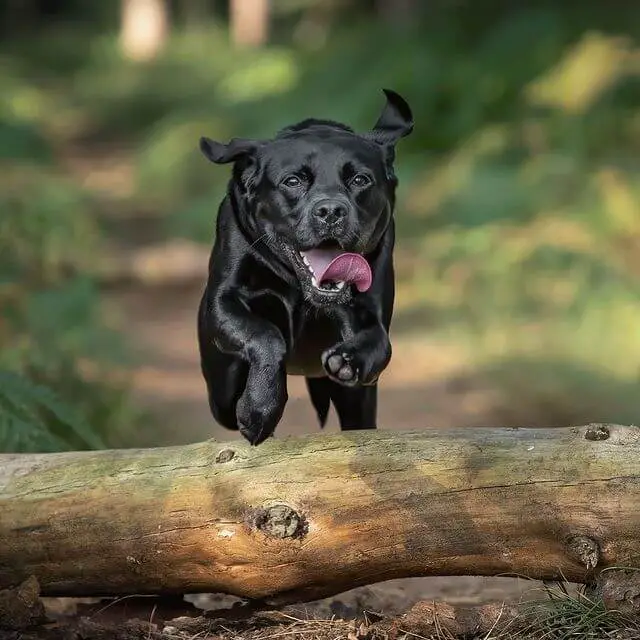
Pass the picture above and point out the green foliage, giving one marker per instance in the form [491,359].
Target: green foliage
[564,616]
[51,328]
[33,418]
[21,142]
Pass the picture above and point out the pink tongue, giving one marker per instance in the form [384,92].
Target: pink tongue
[330,264]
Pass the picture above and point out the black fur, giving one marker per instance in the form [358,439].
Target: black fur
[261,318]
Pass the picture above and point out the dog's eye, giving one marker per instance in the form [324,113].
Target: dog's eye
[292,181]
[360,180]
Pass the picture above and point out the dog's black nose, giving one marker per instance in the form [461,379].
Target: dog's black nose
[330,211]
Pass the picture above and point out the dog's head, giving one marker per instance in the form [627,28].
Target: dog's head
[320,194]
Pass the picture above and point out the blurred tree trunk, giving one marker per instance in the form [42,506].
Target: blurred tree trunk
[249,22]
[312,30]
[144,26]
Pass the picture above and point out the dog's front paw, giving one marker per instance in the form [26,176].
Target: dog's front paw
[342,367]
[254,431]
[252,436]
[358,362]
[256,424]
[260,408]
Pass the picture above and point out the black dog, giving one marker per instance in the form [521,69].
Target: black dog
[301,275]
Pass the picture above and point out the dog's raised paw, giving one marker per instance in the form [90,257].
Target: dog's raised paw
[341,368]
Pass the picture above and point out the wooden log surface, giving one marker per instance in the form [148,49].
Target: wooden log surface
[302,518]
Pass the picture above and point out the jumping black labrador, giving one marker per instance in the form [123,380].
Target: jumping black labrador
[301,277]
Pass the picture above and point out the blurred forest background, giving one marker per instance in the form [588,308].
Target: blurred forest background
[518,251]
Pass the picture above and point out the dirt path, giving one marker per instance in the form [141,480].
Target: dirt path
[422,388]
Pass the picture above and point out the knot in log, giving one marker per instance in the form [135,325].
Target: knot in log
[280,521]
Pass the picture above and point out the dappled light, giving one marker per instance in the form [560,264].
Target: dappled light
[585,73]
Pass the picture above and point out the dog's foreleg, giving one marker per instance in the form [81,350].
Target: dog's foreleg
[362,355]
[258,342]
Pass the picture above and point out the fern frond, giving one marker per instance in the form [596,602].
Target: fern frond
[22,436]
[31,415]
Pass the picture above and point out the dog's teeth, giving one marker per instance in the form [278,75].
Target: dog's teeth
[340,285]
[314,282]
[305,260]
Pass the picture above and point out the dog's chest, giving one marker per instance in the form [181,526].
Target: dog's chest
[317,334]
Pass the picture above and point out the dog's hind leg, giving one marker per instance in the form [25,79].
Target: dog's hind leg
[356,406]
[320,394]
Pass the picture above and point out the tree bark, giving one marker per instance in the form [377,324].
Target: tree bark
[144,26]
[303,518]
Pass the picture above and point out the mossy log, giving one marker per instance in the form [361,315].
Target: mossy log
[302,518]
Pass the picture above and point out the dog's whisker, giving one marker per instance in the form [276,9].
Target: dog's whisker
[263,238]
[259,239]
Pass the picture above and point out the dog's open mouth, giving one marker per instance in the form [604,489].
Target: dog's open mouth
[331,269]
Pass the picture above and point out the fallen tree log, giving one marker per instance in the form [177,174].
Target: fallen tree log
[302,518]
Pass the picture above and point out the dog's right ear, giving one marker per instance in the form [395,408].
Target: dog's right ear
[223,153]
[395,121]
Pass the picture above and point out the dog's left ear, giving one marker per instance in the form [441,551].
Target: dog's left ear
[223,153]
[395,121]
